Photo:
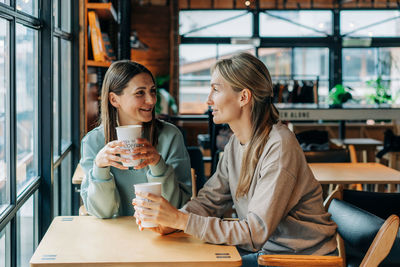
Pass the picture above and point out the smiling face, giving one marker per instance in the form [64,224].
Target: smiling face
[224,101]
[136,103]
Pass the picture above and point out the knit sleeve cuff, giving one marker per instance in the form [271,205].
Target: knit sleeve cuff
[159,169]
[101,173]
[195,225]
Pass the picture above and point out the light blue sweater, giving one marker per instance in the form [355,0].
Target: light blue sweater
[107,192]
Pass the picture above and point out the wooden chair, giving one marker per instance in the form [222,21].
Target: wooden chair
[345,215]
[382,205]
[197,163]
[194,185]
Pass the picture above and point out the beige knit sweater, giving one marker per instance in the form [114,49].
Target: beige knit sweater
[283,212]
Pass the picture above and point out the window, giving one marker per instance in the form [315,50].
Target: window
[26,232]
[66,187]
[27,104]
[377,23]
[4,87]
[31,121]
[4,246]
[28,6]
[56,100]
[66,91]
[296,23]
[286,64]
[55,14]
[292,61]
[195,63]
[65,15]
[362,68]
[62,111]
[56,192]
[215,23]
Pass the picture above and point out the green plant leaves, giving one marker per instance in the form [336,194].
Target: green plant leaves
[339,94]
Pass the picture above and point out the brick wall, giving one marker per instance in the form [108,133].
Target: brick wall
[152,24]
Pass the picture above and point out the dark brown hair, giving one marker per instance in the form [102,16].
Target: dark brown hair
[116,80]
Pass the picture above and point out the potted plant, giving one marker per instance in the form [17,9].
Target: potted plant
[338,95]
[165,101]
[382,91]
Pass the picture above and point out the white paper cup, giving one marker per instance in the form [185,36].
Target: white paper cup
[155,189]
[128,134]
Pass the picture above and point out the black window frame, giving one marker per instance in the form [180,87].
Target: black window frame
[41,186]
[332,42]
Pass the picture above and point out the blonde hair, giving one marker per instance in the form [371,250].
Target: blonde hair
[116,80]
[246,71]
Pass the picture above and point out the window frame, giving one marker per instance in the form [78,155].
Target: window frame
[41,186]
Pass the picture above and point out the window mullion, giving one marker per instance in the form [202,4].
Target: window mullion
[12,140]
[46,118]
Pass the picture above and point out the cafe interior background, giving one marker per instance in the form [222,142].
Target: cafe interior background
[319,53]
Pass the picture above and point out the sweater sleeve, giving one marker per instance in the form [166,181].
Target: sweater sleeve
[98,190]
[173,171]
[267,207]
[215,196]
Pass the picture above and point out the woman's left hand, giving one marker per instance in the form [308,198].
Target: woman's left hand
[159,211]
[145,152]
[162,230]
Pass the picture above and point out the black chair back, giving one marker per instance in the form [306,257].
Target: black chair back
[382,205]
[197,163]
[357,227]
[331,156]
[312,140]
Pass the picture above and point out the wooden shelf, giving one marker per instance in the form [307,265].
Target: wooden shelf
[92,75]
[103,10]
[92,63]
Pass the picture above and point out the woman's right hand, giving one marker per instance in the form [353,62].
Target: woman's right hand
[107,156]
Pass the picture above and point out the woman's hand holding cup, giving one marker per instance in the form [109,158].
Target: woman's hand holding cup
[154,209]
[110,155]
[146,153]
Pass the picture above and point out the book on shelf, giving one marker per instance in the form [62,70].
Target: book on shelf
[108,47]
[98,47]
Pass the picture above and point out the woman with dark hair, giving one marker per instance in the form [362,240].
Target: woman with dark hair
[263,172]
[128,98]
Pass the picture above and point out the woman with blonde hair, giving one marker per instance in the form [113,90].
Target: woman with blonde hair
[263,172]
[128,98]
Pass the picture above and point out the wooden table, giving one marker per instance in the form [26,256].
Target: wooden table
[78,175]
[355,173]
[367,146]
[88,241]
